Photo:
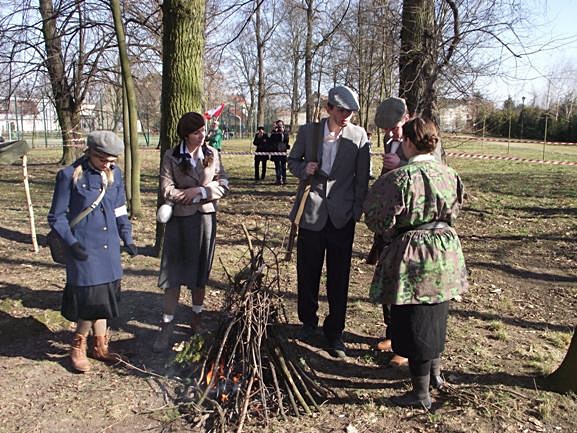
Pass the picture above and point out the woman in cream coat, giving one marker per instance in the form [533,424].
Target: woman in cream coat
[193,180]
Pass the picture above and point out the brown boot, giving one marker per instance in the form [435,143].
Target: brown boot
[100,350]
[397,361]
[385,345]
[78,353]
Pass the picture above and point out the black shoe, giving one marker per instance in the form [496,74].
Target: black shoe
[410,399]
[306,332]
[337,348]
[371,177]
[437,382]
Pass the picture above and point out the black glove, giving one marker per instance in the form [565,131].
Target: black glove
[131,249]
[78,251]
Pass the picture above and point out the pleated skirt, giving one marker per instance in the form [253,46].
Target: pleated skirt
[91,302]
[188,251]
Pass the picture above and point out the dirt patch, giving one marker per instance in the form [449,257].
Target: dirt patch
[514,325]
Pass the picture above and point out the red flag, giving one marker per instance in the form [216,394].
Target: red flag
[214,113]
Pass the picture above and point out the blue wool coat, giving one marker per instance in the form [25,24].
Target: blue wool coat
[99,232]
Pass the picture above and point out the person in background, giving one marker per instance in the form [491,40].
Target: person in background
[279,142]
[93,267]
[261,143]
[421,267]
[338,174]
[215,135]
[193,178]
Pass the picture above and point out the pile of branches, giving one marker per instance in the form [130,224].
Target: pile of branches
[250,368]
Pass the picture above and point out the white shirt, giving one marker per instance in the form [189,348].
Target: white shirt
[193,162]
[330,148]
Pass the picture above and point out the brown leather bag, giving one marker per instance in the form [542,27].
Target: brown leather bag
[58,247]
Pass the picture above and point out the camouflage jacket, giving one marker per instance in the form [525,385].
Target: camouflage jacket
[417,266]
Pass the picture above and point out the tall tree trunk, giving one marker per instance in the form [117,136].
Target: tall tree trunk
[259,65]
[295,106]
[67,109]
[423,55]
[417,51]
[309,61]
[564,379]
[134,202]
[127,149]
[182,73]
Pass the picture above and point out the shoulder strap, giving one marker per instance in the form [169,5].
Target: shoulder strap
[316,139]
[307,183]
[93,206]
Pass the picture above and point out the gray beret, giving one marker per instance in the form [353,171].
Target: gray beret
[105,142]
[390,112]
[343,97]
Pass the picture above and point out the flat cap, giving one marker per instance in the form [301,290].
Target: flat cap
[105,142]
[390,112]
[343,97]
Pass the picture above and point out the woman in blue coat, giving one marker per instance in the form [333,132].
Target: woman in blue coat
[93,269]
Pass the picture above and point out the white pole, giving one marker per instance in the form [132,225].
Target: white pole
[29,204]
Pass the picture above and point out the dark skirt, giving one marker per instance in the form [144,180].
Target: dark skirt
[418,331]
[188,251]
[91,302]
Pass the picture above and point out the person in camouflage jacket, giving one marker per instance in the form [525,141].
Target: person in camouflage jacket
[421,266]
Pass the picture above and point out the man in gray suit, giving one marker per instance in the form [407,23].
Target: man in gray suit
[333,158]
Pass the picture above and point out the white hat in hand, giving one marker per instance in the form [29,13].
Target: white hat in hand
[164,212]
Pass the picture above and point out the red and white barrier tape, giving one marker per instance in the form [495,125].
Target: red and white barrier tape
[449,154]
[508,158]
[448,137]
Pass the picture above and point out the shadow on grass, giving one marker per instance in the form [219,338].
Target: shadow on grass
[524,274]
[514,321]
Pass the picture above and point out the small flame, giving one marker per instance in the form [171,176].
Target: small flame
[209,374]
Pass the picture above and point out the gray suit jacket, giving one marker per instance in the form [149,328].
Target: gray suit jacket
[340,194]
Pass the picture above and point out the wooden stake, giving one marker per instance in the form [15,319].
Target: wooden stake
[29,204]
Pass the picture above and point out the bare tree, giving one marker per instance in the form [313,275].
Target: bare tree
[312,9]
[132,154]
[63,42]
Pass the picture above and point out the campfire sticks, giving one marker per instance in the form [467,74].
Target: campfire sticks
[249,370]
